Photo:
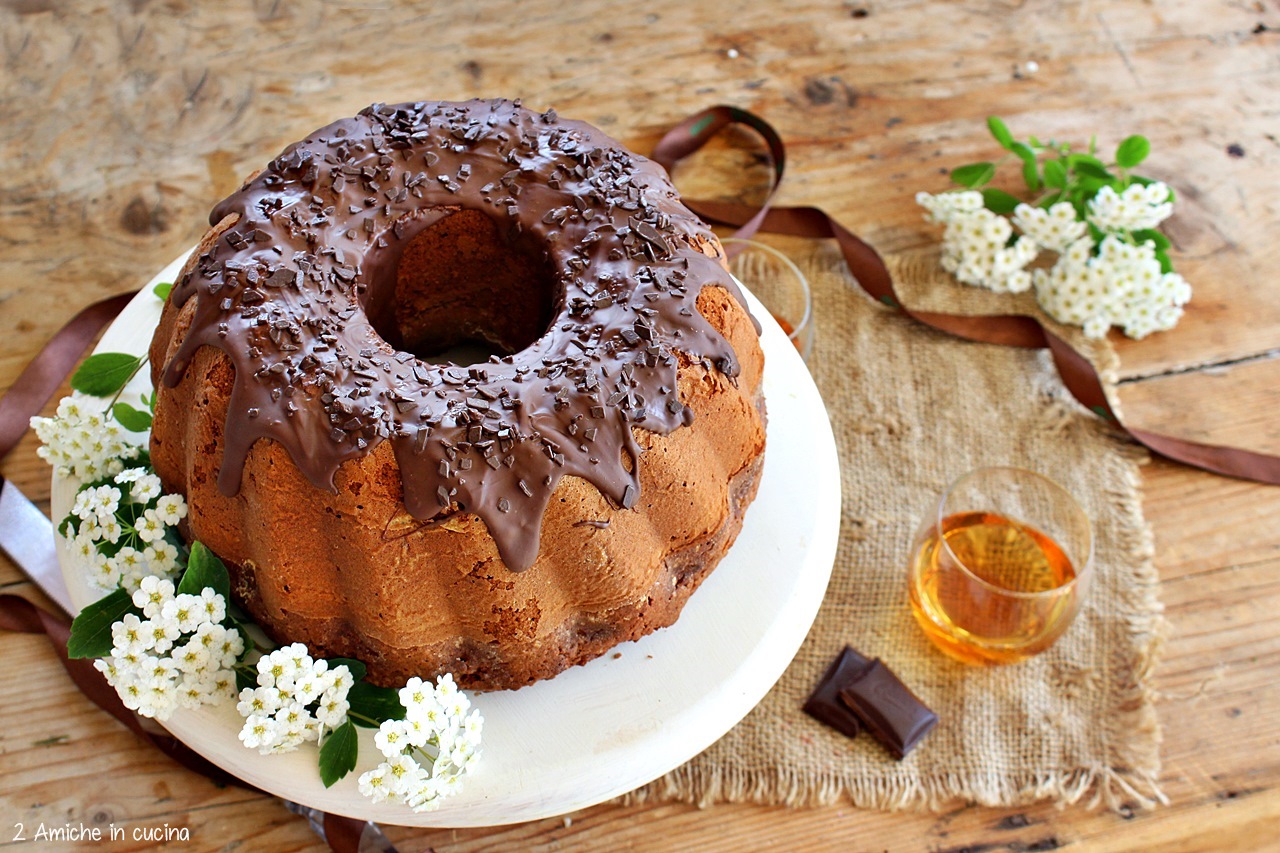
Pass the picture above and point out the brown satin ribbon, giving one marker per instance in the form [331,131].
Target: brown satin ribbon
[869,270]
[33,388]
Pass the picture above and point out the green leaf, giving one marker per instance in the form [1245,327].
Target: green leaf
[1049,201]
[338,753]
[204,569]
[1166,265]
[105,373]
[1090,185]
[1153,236]
[1090,167]
[1132,151]
[999,201]
[356,668]
[377,703]
[1030,171]
[130,418]
[973,175]
[1055,174]
[1000,132]
[91,631]
[245,679]
[162,290]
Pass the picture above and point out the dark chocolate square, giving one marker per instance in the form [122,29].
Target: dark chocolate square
[824,703]
[889,710]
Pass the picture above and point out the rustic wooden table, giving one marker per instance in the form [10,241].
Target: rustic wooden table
[125,121]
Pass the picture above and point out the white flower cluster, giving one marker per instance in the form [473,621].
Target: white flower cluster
[1136,208]
[298,699]
[1054,229]
[1120,285]
[177,655]
[976,244]
[82,442]
[437,727]
[119,530]
[1094,285]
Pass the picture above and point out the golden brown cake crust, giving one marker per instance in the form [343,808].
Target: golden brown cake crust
[354,572]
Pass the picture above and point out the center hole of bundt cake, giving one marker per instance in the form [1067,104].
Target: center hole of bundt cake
[464,293]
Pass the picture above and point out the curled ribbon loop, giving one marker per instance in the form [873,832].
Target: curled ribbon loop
[869,270]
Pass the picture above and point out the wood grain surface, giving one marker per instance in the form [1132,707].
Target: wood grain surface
[123,122]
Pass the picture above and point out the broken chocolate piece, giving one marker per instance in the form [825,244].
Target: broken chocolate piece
[889,710]
[824,703]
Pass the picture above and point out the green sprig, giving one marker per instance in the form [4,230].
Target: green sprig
[1057,174]
[1053,169]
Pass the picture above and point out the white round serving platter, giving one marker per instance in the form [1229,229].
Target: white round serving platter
[609,726]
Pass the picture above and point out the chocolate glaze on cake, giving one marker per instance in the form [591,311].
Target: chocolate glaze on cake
[299,291]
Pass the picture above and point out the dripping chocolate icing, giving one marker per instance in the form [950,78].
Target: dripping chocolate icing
[292,292]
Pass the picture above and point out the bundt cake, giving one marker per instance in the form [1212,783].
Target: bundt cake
[501,516]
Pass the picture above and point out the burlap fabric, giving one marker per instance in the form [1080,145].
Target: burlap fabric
[912,409]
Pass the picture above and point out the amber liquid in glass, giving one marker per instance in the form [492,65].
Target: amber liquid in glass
[1023,603]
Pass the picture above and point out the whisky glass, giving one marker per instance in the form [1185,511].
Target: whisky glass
[779,285]
[999,566]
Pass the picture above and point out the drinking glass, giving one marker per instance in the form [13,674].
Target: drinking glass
[999,566]
[779,285]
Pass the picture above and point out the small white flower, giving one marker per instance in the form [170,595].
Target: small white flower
[187,610]
[127,638]
[308,686]
[146,488]
[107,667]
[106,502]
[149,527]
[332,710]
[261,732]
[192,657]
[152,594]
[195,689]
[258,700]
[391,738]
[375,785]
[415,692]
[109,530]
[84,505]
[161,633]
[162,558]
[340,680]
[84,546]
[211,605]
[171,509]
[229,648]
[445,687]
[408,774]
